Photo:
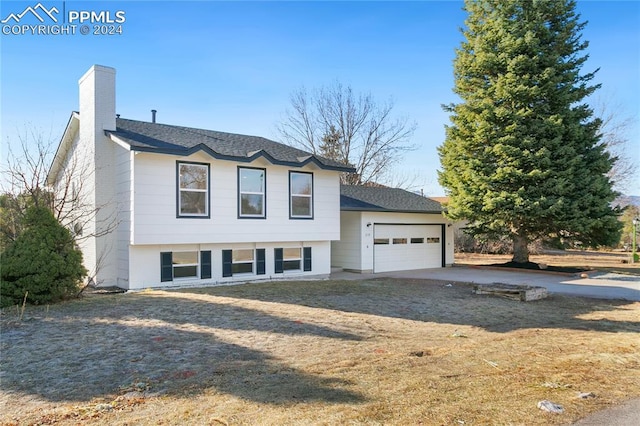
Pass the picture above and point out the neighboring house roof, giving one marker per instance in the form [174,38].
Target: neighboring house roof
[369,198]
[441,200]
[178,140]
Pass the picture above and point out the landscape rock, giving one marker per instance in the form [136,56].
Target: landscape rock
[546,405]
[104,407]
[522,292]
[586,395]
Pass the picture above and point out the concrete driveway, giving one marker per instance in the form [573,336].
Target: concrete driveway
[601,285]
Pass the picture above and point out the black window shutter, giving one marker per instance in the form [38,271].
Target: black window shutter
[279,266]
[227,263]
[260,261]
[166,266]
[205,264]
[306,257]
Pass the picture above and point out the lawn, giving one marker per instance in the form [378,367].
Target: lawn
[382,351]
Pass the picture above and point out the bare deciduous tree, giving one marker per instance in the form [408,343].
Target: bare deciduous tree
[350,128]
[24,183]
[23,176]
[615,133]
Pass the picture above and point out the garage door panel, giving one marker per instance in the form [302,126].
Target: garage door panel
[421,247]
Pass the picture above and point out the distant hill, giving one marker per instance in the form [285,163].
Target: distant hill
[626,200]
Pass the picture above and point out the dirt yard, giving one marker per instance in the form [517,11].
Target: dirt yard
[317,352]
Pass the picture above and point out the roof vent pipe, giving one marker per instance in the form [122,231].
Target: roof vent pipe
[153,115]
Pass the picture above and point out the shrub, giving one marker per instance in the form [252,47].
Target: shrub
[43,261]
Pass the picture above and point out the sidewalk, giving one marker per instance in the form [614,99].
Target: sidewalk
[627,414]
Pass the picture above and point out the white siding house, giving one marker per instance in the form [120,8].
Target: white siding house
[390,229]
[175,206]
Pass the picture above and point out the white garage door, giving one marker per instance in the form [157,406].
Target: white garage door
[406,247]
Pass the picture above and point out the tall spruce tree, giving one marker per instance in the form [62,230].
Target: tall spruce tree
[522,156]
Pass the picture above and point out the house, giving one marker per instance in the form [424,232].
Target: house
[390,229]
[176,206]
[157,205]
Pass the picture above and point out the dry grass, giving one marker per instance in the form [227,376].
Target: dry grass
[330,352]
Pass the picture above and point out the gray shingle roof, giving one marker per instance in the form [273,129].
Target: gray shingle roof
[178,140]
[365,198]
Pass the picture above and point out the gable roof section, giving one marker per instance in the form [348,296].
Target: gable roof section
[60,155]
[177,140]
[382,199]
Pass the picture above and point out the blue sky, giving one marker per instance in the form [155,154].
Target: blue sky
[231,66]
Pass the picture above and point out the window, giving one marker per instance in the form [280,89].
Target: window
[399,241]
[433,240]
[193,190]
[242,262]
[184,264]
[380,241]
[417,240]
[290,259]
[251,188]
[301,195]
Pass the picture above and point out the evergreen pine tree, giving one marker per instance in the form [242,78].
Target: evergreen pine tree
[331,145]
[522,156]
[43,262]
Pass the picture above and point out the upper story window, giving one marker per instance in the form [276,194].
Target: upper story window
[251,192]
[301,195]
[193,190]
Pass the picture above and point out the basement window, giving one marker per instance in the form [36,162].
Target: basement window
[242,262]
[185,264]
[292,259]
